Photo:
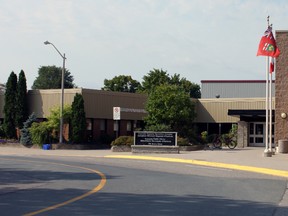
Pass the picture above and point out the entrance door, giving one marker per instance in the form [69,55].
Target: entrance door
[257,134]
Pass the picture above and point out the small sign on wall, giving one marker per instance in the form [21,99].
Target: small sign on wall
[116,113]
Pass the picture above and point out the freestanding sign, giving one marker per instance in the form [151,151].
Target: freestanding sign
[155,138]
[116,113]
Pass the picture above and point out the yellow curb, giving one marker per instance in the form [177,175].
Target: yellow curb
[279,173]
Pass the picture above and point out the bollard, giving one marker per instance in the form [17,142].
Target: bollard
[283,146]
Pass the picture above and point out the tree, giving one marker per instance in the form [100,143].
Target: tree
[10,106]
[48,131]
[192,88]
[25,138]
[49,77]
[78,119]
[22,106]
[154,78]
[54,120]
[159,77]
[195,90]
[121,83]
[171,106]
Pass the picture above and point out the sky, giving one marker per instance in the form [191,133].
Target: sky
[198,39]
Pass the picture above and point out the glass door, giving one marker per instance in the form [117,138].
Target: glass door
[257,134]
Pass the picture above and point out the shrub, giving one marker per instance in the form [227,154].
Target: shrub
[123,140]
[158,127]
[40,133]
[204,137]
[182,141]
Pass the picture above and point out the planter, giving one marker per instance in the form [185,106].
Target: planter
[121,148]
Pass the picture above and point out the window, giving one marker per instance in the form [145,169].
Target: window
[129,126]
[115,125]
[89,124]
[102,125]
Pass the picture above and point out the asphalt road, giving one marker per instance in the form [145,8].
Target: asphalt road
[103,186]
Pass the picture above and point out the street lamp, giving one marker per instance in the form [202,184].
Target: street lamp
[62,92]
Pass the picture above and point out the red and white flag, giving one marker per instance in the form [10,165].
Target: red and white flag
[267,45]
[272,60]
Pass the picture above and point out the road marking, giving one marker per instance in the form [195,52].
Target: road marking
[274,172]
[94,190]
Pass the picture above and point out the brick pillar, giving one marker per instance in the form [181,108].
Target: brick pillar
[242,134]
[281,87]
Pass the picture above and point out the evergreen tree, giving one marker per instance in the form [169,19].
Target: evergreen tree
[78,120]
[10,106]
[22,107]
[50,77]
[25,133]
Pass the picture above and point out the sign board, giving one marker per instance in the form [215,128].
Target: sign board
[116,113]
[155,138]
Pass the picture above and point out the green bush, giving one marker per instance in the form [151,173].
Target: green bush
[123,140]
[182,141]
[158,127]
[204,137]
[40,133]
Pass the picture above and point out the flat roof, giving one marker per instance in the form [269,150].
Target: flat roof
[234,81]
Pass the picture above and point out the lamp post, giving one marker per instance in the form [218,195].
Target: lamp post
[62,91]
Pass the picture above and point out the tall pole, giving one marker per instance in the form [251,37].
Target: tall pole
[62,102]
[267,108]
[267,152]
[62,92]
[270,113]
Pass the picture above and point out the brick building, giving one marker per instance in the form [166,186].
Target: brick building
[224,103]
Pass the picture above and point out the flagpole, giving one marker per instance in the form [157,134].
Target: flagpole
[266,151]
[270,112]
[267,47]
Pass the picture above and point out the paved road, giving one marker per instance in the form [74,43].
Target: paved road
[111,186]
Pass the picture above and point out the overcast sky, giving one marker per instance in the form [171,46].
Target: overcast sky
[198,39]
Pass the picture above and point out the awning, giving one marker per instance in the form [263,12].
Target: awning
[249,113]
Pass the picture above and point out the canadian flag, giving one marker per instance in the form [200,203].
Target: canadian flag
[272,65]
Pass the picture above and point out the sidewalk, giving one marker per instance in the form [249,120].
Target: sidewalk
[251,157]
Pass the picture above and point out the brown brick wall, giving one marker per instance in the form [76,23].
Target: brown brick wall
[96,128]
[110,127]
[281,86]
[123,128]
